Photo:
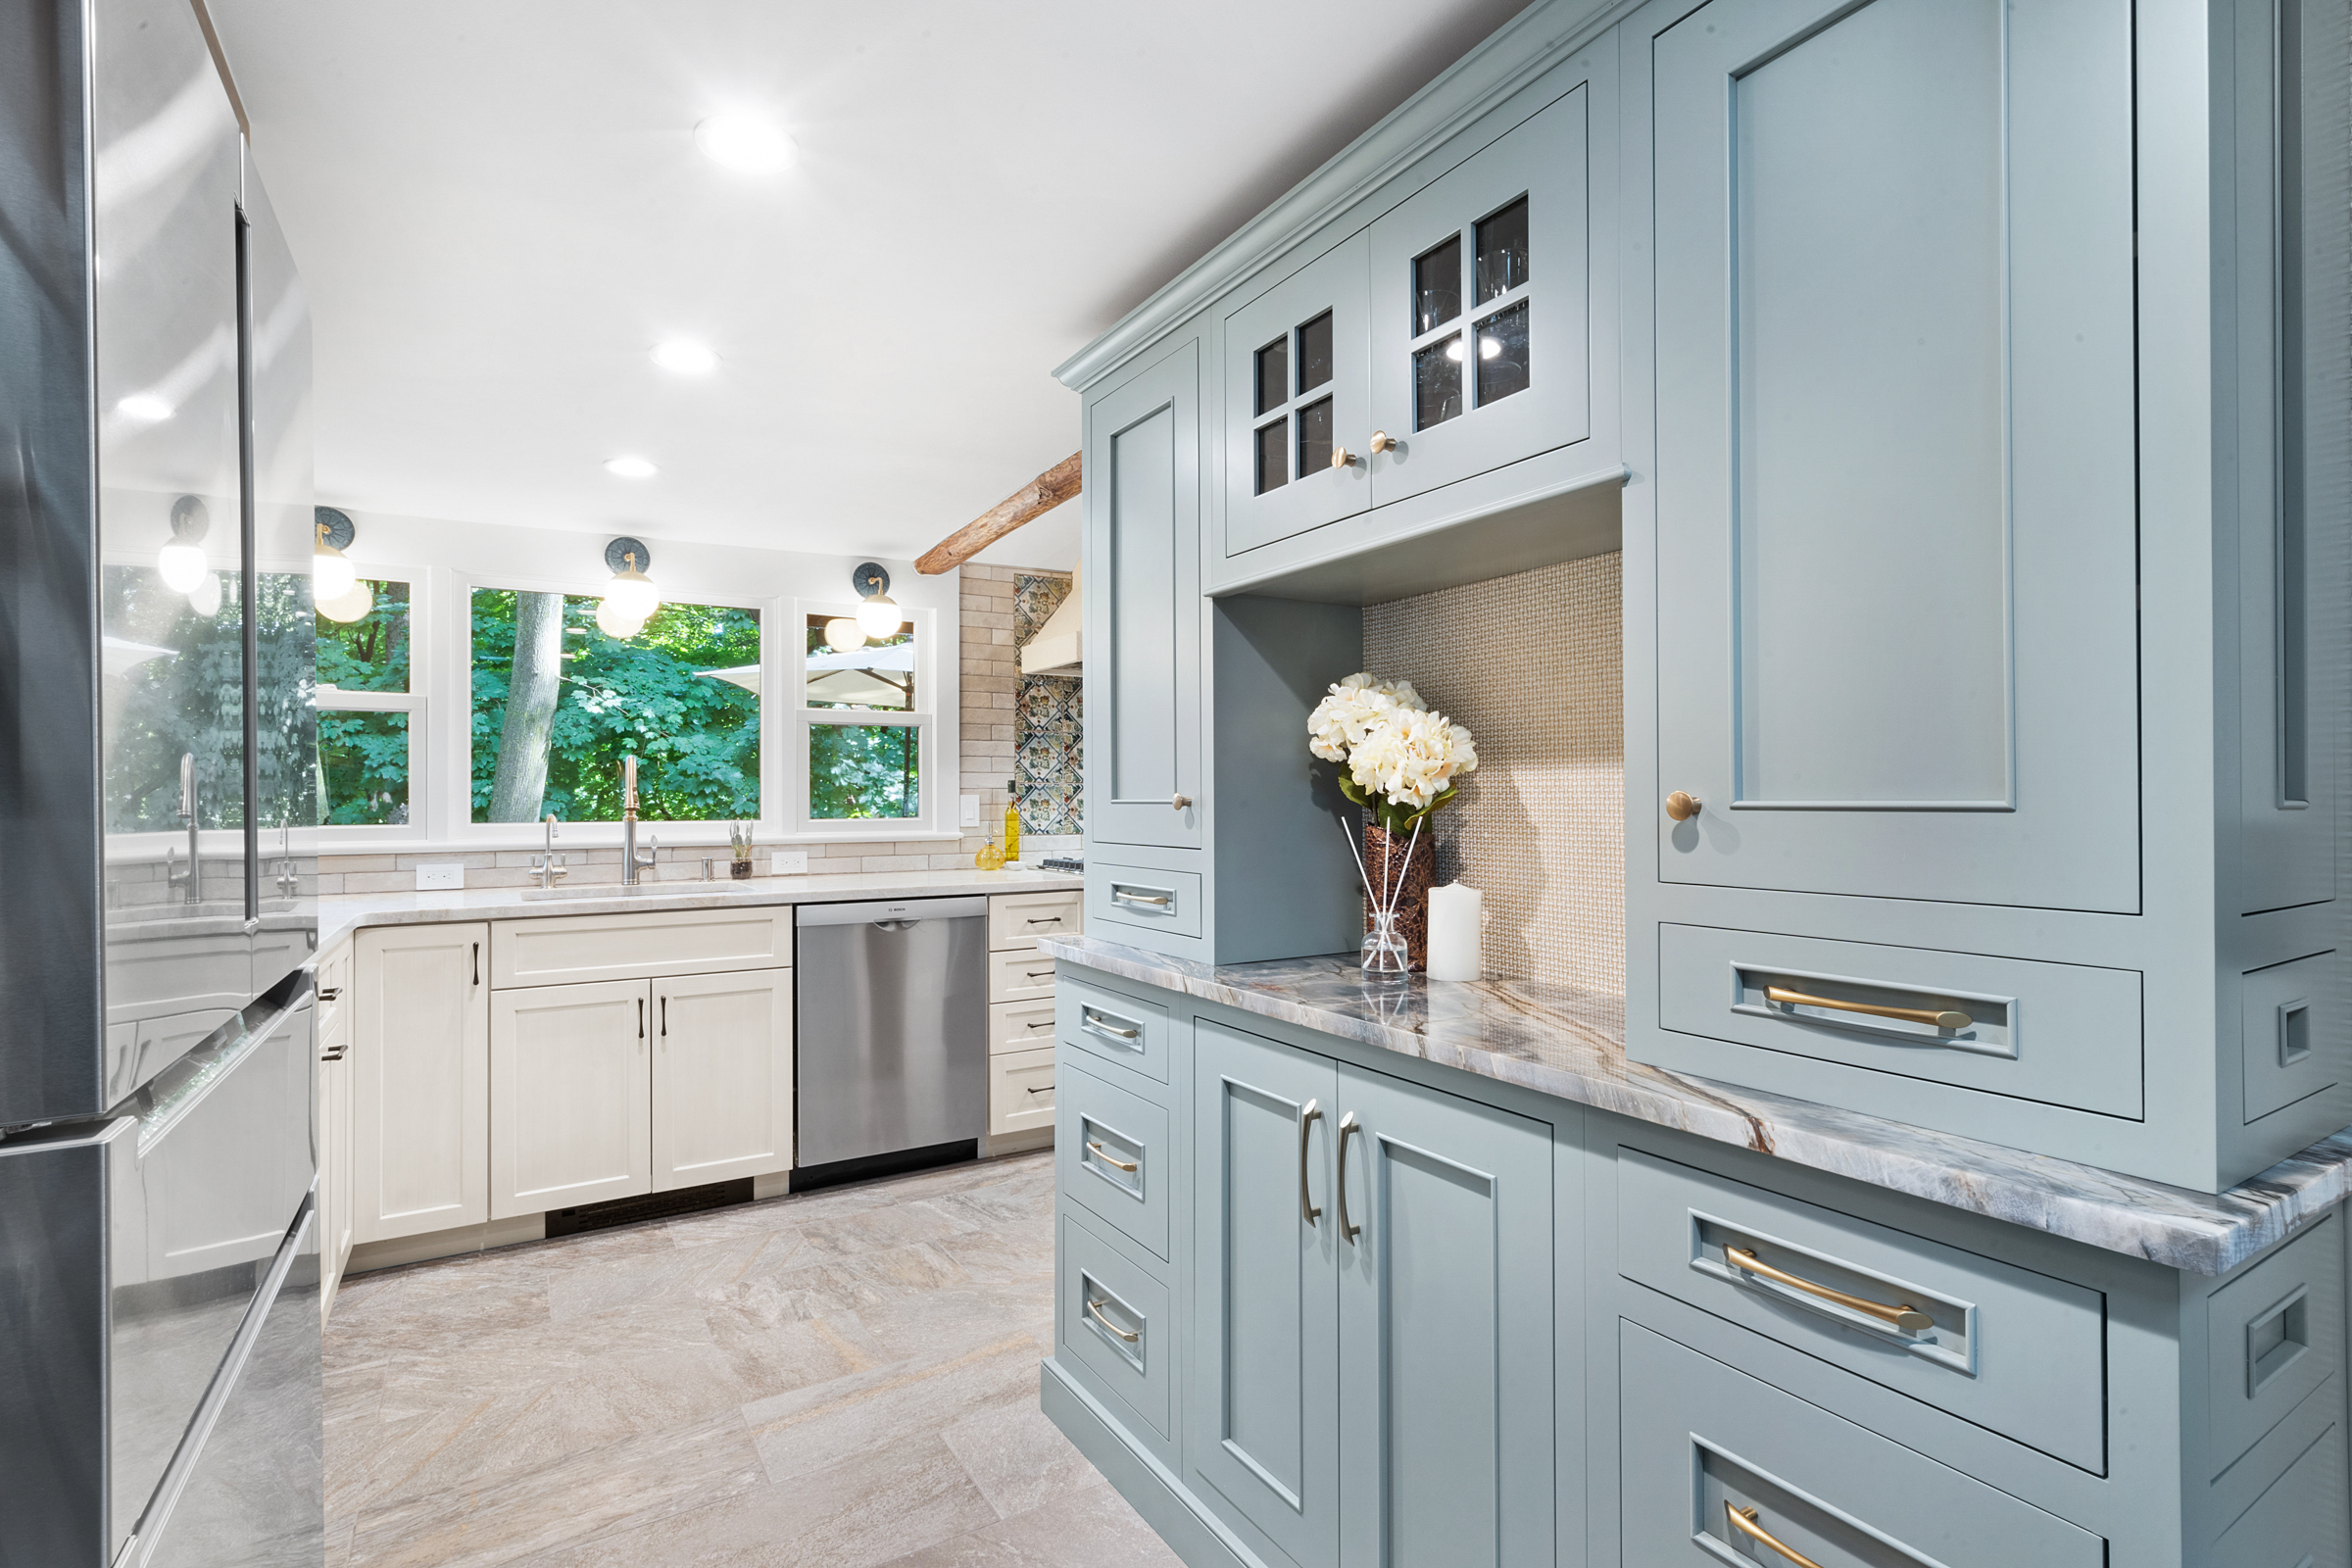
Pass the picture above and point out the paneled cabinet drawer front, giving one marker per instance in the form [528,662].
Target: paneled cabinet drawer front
[2009,1349]
[1020,1092]
[569,948]
[2061,1034]
[1019,974]
[1715,1463]
[1017,919]
[1111,1155]
[2299,1521]
[1145,897]
[1103,1024]
[2274,1333]
[2293,1014]
[1019,1025]
[1114,1323]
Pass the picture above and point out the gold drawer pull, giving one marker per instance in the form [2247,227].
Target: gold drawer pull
[1906,1318]
[1927,1015]
[1094,1309]
[1111,1158]
[1743,1520]
[1128,894]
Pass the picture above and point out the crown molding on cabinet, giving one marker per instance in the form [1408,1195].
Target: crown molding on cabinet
[1521,50]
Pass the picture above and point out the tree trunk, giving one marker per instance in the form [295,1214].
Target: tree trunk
[520,789]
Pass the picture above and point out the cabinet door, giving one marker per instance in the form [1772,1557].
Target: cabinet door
[722,1077]
[1480,300]
[1262,1423]
[570,1091]
[420,1087]
[1143,605]
[1296,403]
[1896,472]
[1445,1328]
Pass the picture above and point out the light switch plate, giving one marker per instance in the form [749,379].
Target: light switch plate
[430,877]
[971,811]
[788,862]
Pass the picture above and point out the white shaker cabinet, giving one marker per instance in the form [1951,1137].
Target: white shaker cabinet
[722,1077]
[419,1006]
[570,1088]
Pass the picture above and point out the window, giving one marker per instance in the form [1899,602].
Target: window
[558,705]
[366,702]
[865,733]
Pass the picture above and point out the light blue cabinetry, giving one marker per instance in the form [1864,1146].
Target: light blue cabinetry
[1973,575]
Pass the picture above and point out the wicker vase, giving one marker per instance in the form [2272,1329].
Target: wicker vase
[1385,863]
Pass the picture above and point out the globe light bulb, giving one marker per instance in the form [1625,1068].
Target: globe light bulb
[349,606]
[844,635]
[616,622]
[331,572]
[183,565]
[880,616]
[205,596]
[631,592]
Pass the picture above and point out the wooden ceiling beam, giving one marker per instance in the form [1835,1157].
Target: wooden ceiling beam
[1039,496]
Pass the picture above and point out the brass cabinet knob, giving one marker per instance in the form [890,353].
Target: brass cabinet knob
[1381,441]
[1681,806]
[1340,457]
[1180,801]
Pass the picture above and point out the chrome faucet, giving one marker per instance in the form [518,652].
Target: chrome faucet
[549,866]
[630,861]
[194,876]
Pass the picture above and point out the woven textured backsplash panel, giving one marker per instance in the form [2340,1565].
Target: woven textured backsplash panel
[1534,666]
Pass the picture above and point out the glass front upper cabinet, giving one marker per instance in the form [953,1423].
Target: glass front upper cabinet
[1295,356]
[1470,368]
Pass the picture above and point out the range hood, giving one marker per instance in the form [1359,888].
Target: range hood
[1056,647]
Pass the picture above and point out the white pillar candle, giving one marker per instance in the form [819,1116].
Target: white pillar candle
[1453,933]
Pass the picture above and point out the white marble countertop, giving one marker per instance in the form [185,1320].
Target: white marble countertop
[1572,1044]
[339,917]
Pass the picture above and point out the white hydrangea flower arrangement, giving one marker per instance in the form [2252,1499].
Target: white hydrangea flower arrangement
[1397,758]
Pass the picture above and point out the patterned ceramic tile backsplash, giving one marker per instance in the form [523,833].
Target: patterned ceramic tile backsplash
[1046,761]
[1534,664]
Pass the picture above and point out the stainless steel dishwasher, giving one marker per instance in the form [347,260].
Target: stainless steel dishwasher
[892,1046]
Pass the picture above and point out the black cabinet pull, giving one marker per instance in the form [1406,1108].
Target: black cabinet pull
[478,964]
[641,1017]
[666,1018]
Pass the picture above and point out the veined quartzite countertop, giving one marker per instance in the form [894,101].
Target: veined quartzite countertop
[1571,1043]
[339,917]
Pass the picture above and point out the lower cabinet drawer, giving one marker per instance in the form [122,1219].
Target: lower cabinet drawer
[1111,1151]
[1020,974]
[2274,1332]
[1020,1092]
[1019,1025]
[1115,1325]
[1018,919]
[2298,1522]
[1142,896]
[1118,1028]
[2061,1034]
[2016,1351]
[1718,1466]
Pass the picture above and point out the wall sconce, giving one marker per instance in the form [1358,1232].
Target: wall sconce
[630,597]
[336,586]
[182,561]
[878,614]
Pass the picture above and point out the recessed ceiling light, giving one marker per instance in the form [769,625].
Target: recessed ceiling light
[749,143]
[683,356]
[630,468]
[144,406]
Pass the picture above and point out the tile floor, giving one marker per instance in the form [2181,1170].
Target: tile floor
[847,1378]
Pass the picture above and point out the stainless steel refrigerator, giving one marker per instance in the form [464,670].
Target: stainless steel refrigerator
[159,1315]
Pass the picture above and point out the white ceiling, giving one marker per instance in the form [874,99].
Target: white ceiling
[500,208]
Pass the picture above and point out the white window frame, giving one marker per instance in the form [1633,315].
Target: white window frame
[347,838]
[802,720]
[604,832]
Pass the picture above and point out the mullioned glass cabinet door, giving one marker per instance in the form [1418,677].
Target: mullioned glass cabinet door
[1295,403]
[1897,640]
[1480,302]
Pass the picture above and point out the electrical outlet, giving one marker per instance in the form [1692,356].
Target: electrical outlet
[971,811]
[430,877]
[788,862]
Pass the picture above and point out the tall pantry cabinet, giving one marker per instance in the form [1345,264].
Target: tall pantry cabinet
[1986,589]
